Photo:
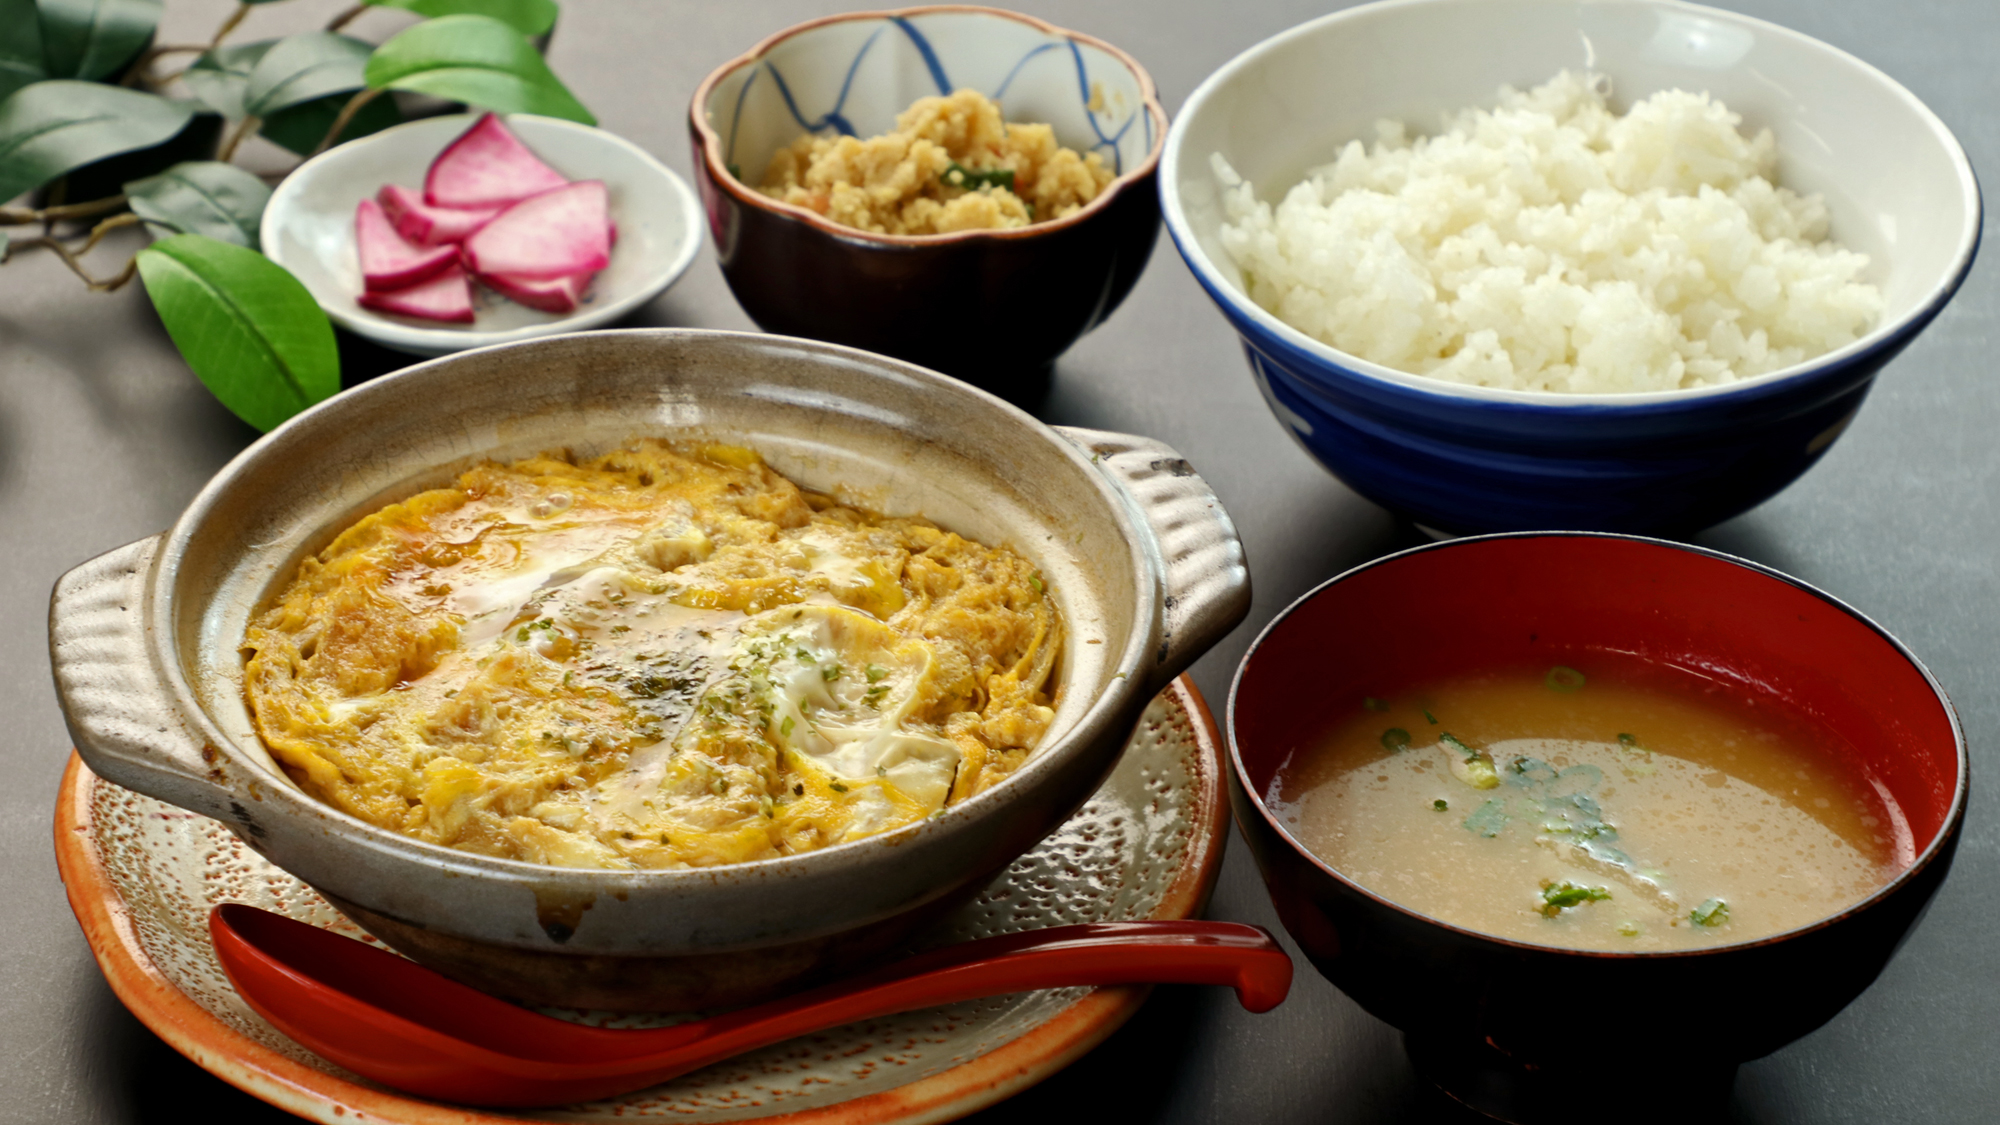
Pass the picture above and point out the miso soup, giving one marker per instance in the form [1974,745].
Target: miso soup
[1567,806]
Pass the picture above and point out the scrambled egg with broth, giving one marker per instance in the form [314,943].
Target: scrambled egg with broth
[952,164]
[666,657]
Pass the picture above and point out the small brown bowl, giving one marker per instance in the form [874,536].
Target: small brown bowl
[1521,1030]
[993,307]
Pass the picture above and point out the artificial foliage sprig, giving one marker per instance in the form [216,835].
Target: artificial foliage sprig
[81,105]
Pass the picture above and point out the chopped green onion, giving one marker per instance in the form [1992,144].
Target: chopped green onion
[1563,679]
[1374,704]
[1432,719]
[837,787]
[876,672]
[1440,804]
[1480,775]
[1035,579]
[1464,751]
[830,673]
[1558,896]
[785,729]
[958,175]
[1394,739]
[1714,912]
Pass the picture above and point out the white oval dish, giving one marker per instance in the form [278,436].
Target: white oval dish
[308,228]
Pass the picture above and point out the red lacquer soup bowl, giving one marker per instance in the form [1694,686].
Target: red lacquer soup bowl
[1519,1029]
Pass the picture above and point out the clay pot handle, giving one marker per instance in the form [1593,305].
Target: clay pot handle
[1205,580]
[118,702]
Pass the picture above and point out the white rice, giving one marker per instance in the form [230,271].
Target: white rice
[1550,244]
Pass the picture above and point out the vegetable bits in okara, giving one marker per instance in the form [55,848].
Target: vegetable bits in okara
[1614,808]
[491,211]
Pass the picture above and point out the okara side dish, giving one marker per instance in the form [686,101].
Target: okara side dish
[952,164]
[1573,809]
[664,657]
[1550,244]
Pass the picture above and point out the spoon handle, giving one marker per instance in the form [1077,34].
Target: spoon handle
[409,1027]
[1243,957]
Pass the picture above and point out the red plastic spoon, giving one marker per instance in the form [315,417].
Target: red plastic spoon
[405,1026]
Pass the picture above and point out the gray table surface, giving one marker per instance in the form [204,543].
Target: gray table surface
[105,436]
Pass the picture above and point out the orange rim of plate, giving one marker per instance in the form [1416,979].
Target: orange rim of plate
[318,1095]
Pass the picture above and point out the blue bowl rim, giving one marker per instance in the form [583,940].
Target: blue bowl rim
[1952,824]
[1249,315]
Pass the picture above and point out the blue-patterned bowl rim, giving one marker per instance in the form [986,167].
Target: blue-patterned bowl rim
[1151,116]
[1250,318]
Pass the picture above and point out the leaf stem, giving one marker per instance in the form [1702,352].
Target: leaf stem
[70,257]
[20,216]
[135,73]
[229,25]
[346,17]
[347,112]
[245,129]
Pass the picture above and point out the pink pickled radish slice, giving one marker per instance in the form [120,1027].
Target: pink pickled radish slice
[387,260]
[556,294]
[446,297]
[487,166]
[426,225]
[558,233]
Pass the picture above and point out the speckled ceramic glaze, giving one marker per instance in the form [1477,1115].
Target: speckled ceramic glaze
[1516,1028]
[1143,562]
[1478,459]
[142,876]
[993,306]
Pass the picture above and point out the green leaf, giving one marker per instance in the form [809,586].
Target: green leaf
[299,68]
[250,331]
[220,77]
[20,45]
[219,200]
[301,127]
[49,128]
[93,39]
[476,60]
[1488,819]
[529,17]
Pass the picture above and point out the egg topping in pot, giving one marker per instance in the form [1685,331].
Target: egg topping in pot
[669,656]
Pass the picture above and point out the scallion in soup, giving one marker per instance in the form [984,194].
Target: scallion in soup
[1567,806]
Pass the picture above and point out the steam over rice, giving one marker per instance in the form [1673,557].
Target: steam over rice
[1550,244]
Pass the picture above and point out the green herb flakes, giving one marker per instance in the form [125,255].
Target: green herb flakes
[837,787]
[830,673]
[876,672]
[785,728]
[1563,679]
[1441,804]
[1394,739]
[1714,912]
[1428,717]
[1557,897]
